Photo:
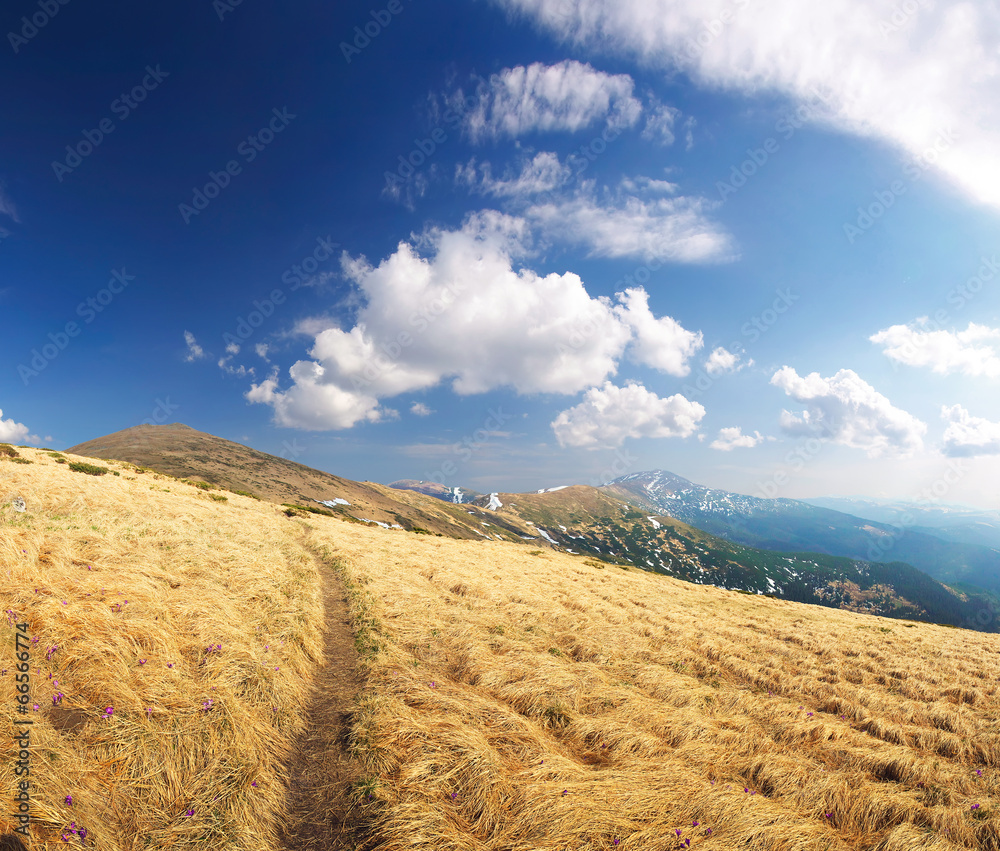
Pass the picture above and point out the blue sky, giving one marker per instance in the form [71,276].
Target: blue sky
[514,244]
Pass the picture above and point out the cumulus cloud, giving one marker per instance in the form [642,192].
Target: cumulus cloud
[420,409]
[966,352]
[849,411]
[733,438]
[568,96]
[862,57]
[722,360]
[466,314]
[544,173]
[14,432]
[609,415]
[660,343]
[967,435]
[194,351]
[626,225]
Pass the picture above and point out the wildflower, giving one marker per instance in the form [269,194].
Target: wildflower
[975,806]
[142,661]
[979,772]
[254,783]
[829,815]
[565,791]
[189,813]
[36,707]
[83,834]
[109,711]
[454,795]
[677,831]
[694,824]
[69,799]
[616,842]
[170,664]
[809,714]
[708,831]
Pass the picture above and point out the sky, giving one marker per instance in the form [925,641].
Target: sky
[513,244]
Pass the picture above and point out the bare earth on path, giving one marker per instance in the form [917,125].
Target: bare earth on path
[321,769]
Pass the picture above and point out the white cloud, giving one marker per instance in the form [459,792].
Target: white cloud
[261,349]
[12,432]
[722,360]
[967,435]
[234,370]
[733,438]
[674,229]
[943,351]
[610,414]
[901,82]
[568,96]
[542,174]
[660,124]
[848,411]
[465,313]
[194,352]
[660,343]
[420,409]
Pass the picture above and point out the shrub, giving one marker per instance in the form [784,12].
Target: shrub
[311,509]
[244,493]
[218,497]
[89,469]
[8,450]
[21,461]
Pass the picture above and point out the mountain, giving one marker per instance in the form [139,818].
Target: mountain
[608,526]
[958,523]
[788,525]
[584,520]
[185,453]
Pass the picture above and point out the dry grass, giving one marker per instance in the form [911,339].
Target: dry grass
[195,573]
[513,700]
[544,703]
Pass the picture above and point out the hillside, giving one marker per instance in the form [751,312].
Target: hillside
[577,519]
[586,520]
[788,525]
[507,696]
[185,453]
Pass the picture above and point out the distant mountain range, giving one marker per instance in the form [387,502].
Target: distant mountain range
[633,522]
[788,525]
[951,522]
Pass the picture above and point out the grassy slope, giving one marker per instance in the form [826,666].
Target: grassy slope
[608,525]
[195,572]
[183,452]
[548,703]
[512,700]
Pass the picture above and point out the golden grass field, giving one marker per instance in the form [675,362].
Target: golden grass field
[513,698]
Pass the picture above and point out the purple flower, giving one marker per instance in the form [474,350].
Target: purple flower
[69,799]
[708,831]
[142,661]
[189,813]
[979,772]
[565,791]
[254,783]
[694,824]
[975,806]
[170,664]
[454,795]
[83,833]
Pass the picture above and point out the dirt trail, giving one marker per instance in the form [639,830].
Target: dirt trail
[321,769]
